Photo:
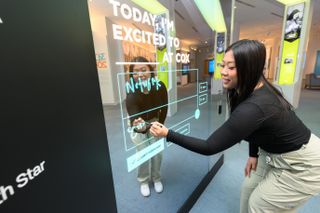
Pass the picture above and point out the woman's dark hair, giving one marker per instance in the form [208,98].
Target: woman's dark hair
[140,59]
[250,57]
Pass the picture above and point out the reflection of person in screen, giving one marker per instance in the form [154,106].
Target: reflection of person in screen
[283,168]
[293,25]
[139,102]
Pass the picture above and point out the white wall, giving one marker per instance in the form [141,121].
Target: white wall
[273,44]
[104,43]
[116,54]
[201,55]
[100,44]
[313,46]
[236,32]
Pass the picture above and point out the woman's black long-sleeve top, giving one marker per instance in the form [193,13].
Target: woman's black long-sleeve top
[154,104]
[261,120]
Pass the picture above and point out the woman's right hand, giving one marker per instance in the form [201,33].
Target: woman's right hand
[139,124]
[251,165]
[158,130]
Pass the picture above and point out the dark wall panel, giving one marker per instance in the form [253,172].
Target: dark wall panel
[50,110]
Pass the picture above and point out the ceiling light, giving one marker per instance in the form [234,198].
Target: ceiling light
[153,6]
[212,13]
[245,3]
[288,2]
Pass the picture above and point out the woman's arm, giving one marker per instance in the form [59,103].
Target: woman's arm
[245,119]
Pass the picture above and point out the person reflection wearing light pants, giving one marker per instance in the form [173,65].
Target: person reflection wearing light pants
[283,168]
[144,106]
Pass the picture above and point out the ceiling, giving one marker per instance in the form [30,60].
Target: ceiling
[268,18]
[192,29]
[257,19]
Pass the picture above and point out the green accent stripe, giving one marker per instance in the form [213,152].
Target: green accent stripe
[289,55]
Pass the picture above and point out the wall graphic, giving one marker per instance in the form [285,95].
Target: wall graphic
[219,53]
[101,60]
[161,28]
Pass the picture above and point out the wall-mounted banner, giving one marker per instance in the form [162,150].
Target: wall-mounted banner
[162,54]
[219,53]
[291,43]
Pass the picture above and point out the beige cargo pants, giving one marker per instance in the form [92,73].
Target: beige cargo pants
[282,182]
[149,170]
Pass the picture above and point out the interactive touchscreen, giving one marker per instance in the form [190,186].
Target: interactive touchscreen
[139,66]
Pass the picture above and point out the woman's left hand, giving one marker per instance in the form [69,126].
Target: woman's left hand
[158,130]
[251,165]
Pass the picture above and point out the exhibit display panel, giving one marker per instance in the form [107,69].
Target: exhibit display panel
[291,43]
[54,149]
[139,86]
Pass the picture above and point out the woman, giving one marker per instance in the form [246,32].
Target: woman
[283,169]
[143,108]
